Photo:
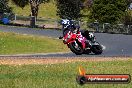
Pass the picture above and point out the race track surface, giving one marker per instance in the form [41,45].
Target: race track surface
[113,44]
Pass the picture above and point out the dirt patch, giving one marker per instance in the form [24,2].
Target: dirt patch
[34,60]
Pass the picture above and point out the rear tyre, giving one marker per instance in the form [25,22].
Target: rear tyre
[77,50]
[87,51]
[97,49]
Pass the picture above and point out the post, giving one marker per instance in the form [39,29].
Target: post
[106,27]
[103,26]
[96,24]
[15,16]
[32,21]
[128,29]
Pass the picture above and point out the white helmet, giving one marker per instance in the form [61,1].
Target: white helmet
[65,22]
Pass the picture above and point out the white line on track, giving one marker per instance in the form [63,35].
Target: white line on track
[34,54]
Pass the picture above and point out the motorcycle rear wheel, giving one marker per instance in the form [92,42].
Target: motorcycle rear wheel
[87,51]
[97,49]
[78,51]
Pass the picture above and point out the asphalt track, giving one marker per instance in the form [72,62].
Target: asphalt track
[117,45]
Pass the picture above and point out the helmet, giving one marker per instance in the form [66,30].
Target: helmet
[69,24]
[65,22]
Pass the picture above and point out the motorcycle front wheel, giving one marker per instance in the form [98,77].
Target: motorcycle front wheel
[76,48]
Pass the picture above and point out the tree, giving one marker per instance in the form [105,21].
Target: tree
[34,8]
[33,3]
[86,6]
[4,6]
[69,9]
[128,2]
[88,3]
[108,10]
[127,20]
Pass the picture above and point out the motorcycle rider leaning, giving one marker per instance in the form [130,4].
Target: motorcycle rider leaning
[69,25]
[79,41]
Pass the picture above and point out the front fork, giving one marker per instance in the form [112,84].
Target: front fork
[76,45]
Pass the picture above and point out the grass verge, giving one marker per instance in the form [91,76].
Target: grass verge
[11,43]
[60,75]
[47,10]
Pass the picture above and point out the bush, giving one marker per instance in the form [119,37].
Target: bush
[68,9]
[4,7]
[108,11]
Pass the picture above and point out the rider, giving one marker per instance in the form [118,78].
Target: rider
[69,25]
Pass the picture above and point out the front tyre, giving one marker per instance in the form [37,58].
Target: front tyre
[75,48]
[97,49]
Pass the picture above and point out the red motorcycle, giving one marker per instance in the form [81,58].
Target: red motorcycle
[80,42]
[75,42]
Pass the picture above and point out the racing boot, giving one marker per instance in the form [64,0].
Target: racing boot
[88,44]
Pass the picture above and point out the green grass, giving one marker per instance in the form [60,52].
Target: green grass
[11,43]
[47,10]
[60,75]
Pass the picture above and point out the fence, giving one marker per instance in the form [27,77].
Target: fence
[43,22]
[109,28]
[54,23]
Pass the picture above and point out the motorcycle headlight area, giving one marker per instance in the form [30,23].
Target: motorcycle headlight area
[68,37]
